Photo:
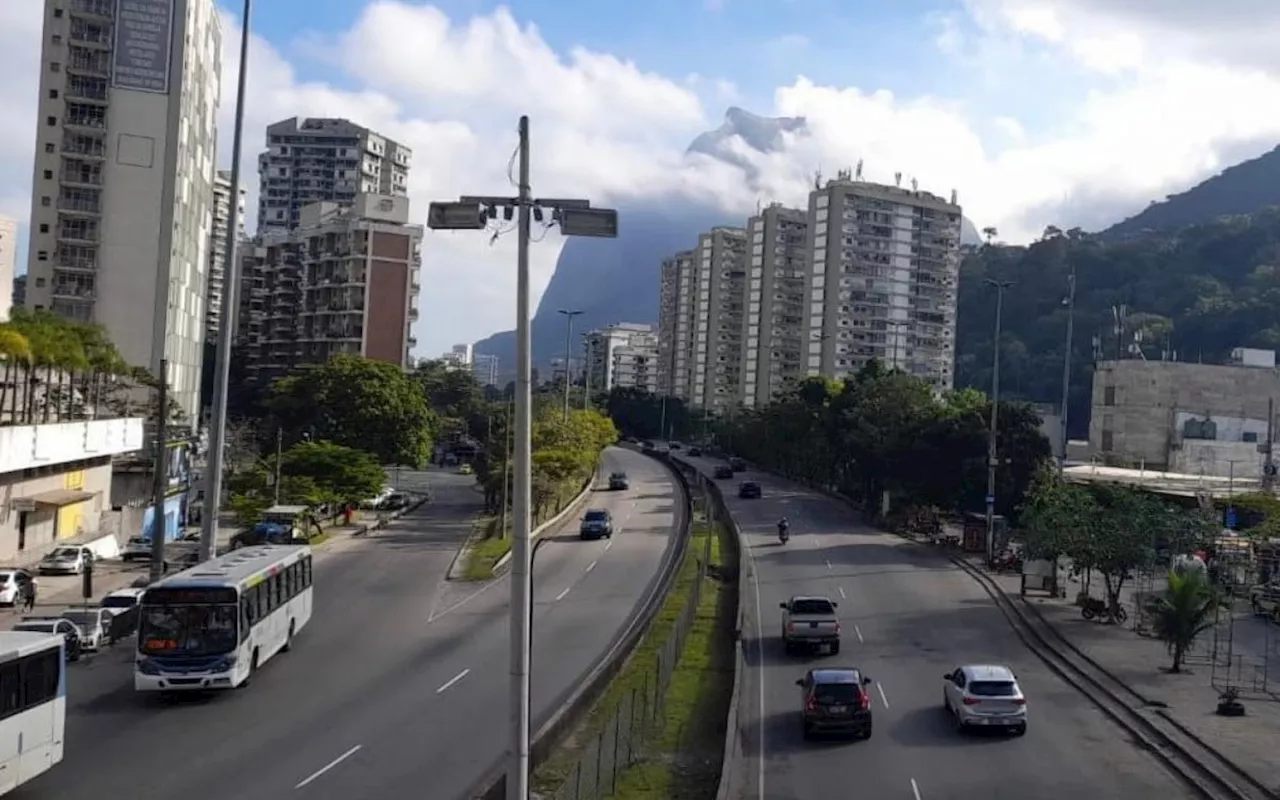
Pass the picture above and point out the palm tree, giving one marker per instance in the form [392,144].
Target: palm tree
[1184,610]
[15,351]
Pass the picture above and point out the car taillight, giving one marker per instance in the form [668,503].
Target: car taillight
[837,626]
[972,701]
[791,627]
[811,704]
[1018,701]
[864,700]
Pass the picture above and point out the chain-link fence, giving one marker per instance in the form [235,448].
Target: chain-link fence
[636,717]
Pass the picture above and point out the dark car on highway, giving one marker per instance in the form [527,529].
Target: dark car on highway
[724,472]
[597,523]
[835,700]
[749,490]
[618,481]
[737,465]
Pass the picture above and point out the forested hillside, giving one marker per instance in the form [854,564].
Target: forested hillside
[1197,292]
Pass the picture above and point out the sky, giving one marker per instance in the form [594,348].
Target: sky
[1036,112]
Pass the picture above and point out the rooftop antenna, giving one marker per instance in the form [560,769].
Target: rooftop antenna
[857,174]
[817,178]
[897,179]
[915,185]
[954,197]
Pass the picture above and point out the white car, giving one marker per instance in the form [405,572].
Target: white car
[12,582]
[985,696]
[66,560]
[136,549]
[94,625]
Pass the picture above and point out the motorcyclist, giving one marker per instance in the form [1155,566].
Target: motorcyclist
[784,528]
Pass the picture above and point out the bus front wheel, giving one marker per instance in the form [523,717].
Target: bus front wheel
[288,642]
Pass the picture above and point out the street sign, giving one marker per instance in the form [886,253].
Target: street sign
[22,504]
[599,222]
[1231,517]
[456,217]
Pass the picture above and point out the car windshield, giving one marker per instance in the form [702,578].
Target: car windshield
[837,692]
[992,689]
[811,607]
[5,577]
[596,516]
[119,601]
[82,618]
[139,542]
[64,552]
[194,630]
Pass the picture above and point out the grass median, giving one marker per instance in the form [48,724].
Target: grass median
[680,751]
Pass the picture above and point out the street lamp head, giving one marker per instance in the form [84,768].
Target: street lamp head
[569,313]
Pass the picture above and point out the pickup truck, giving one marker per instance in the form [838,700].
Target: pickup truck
[810,623]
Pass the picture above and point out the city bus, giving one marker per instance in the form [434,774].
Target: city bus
[210,627]
[33,705]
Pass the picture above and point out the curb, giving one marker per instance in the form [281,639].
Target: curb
[501,563]
[582,698]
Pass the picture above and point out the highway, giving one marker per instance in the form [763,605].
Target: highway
[909,616]
[397,687]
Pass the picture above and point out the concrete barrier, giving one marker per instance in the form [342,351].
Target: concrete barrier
[572,508]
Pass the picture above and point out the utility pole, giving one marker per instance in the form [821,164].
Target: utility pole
[575,218]
[992,456]
[568,356]
[586,372]
[1066,365]
[160,474]
[508,440]
[231,271]
[1268,463]
[279,456]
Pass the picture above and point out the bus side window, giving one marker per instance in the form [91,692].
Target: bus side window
[39,679]
[288,582]
[10,690]
[306,571]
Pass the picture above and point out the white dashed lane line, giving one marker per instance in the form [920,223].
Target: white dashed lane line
[449,683]
[915,790]
[564,592]
[883,698]
[842,595]
[328,766]
[858,632]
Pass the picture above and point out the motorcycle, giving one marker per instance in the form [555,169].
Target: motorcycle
[784,535]
[1006,561]
[1093,608]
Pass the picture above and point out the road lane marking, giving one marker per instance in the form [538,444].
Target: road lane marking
[883,699]
[591,566]
[329,766]
[608,544]
[560,596]
[452,681]
[841,588]
[828,563]
[858,632]
[915,790]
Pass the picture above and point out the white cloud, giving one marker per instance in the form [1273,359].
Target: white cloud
[1173,94]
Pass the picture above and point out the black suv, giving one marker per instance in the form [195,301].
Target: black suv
[597,523]
[749,490]
[835,700]
[724,472]
[737,465]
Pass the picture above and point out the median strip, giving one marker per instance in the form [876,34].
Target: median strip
[657,732]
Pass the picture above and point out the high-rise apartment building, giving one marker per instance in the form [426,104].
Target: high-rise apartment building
[123,176]
[622,356]
[324,160]
[8,264]
[718,316]
[774,348]
[344,281]
[884,266]
[485,369]
[675,320]
[220,238]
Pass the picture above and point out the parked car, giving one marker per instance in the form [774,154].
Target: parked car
[66,560]
[54,625]
[835,700]
[597,523]
[749,490]
[394,502]
[618,481]
[136,549]
[93,624]
[12,584]
[724,472]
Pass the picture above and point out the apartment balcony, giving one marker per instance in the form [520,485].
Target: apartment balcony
[413,314]
[64,263]
[78,235]
[75,206]
[91,147]
[86,177]
[86,61]
[86,89]
[102,10]
[85,121]
[74,292]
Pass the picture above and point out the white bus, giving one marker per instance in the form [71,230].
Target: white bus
[33,705]
[212,626]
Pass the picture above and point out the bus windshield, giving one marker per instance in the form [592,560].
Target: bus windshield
[188,630]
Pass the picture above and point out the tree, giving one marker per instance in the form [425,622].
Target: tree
[1186,609]
[358,403]
[330,473]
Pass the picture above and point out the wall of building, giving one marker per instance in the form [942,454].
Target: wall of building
[8,264]
[25,536]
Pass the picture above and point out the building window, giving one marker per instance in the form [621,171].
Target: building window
[48,174]
[53,94]
[57,13]
[44,227]
[50,147]
[43,255]
[46,201]
[1109,397]
[52,122]
[54,66]
[1107,441]
[56,38]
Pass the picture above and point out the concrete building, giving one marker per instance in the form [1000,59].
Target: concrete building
[719,317]
[485,369]
[20,291]
[884,267]
[252,303]
[676,325]
[774,348]
[459,356]
[622,356]
[220,238]
[55,485]
[344,281]
[324,160]
[123,176]
[1184,418]
[8,265]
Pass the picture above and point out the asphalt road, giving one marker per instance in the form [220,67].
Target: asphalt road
[909,616]
[396,688]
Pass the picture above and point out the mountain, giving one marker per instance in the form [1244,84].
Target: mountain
[612,281]
[1242,189]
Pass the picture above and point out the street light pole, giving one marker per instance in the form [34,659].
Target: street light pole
[568,356]
[575,218]
[992,456]
[1066,365]
[231,273]
[586,372]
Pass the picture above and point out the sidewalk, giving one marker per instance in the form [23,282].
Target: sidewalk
[1190,697]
